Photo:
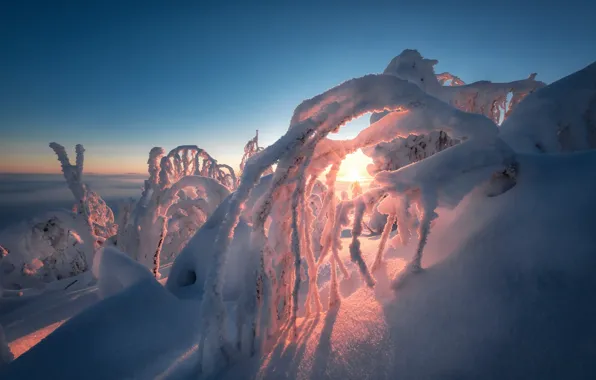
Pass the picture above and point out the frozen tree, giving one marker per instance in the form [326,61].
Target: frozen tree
[183,189]
[250,149]
[190,160]
[486,98]
[61,243]
[89,205]
[282,218]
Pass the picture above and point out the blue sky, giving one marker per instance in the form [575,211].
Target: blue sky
[121,77]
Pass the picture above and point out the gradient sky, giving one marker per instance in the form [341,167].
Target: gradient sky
[121,77]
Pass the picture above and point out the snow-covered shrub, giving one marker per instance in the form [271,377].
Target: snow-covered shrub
[88,204]
[184,188]
[61,243]
[44,249]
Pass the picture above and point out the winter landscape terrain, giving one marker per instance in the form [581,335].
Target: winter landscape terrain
[466,253]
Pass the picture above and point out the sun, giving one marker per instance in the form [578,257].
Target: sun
[351,175]
[353,168]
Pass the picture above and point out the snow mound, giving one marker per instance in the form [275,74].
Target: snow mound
[558,118]
[142,332]
[513,298]
[116,271]
[189,271]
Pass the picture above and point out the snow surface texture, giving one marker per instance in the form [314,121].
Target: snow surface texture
[139,333]
[559,118]
[44,249]
[503,303]
[512,300]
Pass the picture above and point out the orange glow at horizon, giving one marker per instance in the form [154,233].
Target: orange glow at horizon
[48,164]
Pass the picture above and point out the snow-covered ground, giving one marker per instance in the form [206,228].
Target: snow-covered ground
[506,290]
[503,297]
[506,297]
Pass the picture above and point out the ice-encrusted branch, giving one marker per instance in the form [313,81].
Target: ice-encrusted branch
[90,207]
[448,77]
[250,149]
[183,189]
[372,93]
[72,173]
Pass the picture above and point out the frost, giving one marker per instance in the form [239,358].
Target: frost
[90,206]
[250,149]
[182,191]
[304,153]
[559,118]
[44,249]
[259,245]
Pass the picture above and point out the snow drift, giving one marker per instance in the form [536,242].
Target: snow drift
[512,300]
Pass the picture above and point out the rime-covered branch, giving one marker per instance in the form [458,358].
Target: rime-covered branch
[183,189]
[250,149]
[90,207]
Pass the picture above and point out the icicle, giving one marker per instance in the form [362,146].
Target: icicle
[427,205]
[313,290]
[384,236]
[334,297]
[298,192]
[355,252]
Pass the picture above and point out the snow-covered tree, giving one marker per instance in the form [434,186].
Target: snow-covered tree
[484,97]
[413,102]
[250,149]
[88,204]
[184,188]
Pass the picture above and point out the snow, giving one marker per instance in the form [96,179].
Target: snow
[130,343]
[558,118]
[504,217]
[509,301]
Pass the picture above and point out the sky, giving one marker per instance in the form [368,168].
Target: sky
[121,77]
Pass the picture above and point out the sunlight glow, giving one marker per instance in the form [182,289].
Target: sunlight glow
[353,168]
